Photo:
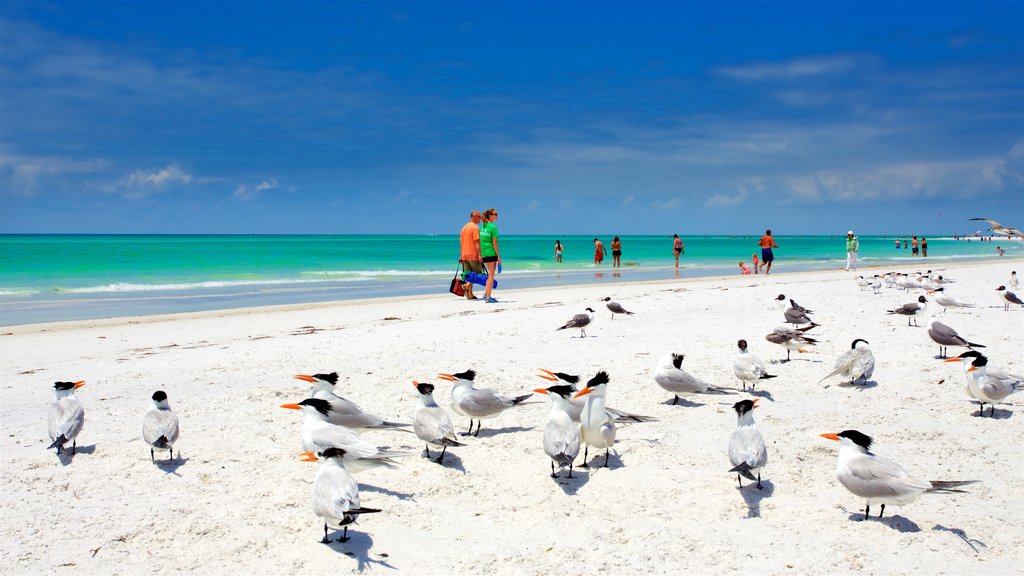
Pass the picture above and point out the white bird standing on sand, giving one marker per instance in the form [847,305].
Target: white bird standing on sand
[749,368]
[876,284]
[597,429]
[670,375]
[615,307]
[945,336]
[1008,298]
[431,423]
[343,412]
[160,426]
[1013,280]
[580,321]
[66,416]
[791,339]
[561,434]
[319,434]
[987,384]
[747,451]
[940,297]
[878,479]
[576,405]
[890,279]
[855,364]
[335,492]
[863,282]
[477,403]
[912,310]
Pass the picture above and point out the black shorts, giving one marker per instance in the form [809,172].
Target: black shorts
[616,252]
[766,255]
[490,259]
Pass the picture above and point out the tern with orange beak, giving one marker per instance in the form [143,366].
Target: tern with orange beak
[431,423]
[576,405]
[561,434]
[672,377]
[319,434]
[343,412]
[747,451]
[477,403]
[160,426]
[597,429]
[878,479]
[66,416]
[749,368]
[987,384]
[335,493]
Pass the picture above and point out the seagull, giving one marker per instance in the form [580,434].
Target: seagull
[912,310]
[890,279]
[477,403]
[791,339]
[160,426]
[987,384]
[561,433]
[747,451]
[946,301]
[343,412]
[576,404]
[580,321]
[597,429]
[945,336]
[998,228]
[876,284]
[670,375]
[431,423]
[319,434]
[749,368]
[863,282]
[615,307]
[1008,298]
[878,479]
[66,416]
[781,300]
[857,363]
[335,492]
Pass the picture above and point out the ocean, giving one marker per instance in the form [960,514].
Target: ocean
[47,278]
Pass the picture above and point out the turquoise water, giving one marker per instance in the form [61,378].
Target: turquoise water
[66,277]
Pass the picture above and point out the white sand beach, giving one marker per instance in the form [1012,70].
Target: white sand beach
[238,498]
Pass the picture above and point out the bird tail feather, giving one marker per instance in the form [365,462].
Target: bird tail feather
[519,399]
[744,470]
[949,486]
[59,442]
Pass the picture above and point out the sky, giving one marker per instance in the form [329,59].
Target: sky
[567,117]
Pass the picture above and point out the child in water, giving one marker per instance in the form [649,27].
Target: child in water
[744,269]
[754,259]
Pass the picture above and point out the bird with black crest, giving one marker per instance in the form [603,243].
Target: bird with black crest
[160,426]
[561,433]
[66,416]
[431,423]
[597,428]
[477,403]
[747,451]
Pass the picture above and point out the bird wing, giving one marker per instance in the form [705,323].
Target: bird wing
[945,335]
[159,423]
[794,316]
[65,418]
[335,492]
[483,402]
[863,365]
[678,380]
[1012,297]
[319,435]
[746,445]
[870,476]
[908,309]
[432,424]
[562,439]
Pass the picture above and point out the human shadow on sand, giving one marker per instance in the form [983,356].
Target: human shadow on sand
[971,542]
[357,546]
[66,457]
[895,521]
[495,431]
[753,495]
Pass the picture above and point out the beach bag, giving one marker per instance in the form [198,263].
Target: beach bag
[457,286]
[480,279]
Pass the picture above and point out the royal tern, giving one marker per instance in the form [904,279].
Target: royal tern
[940,297]
[912,310]
[431,423]
[66,416]
[1013,280]
[987,384]
[477,403]
[670,375]
[561,433]
[876,284]
[580,321]
[335,492]
[1008,298]
[945,336]
[863,282]
[928,284]
[749,368]
[343,412]
[855,364]
[597,429]
[890,279]
[615,307]
[998,228]
[878,479]
[160,426]
[318,434]
[576,404]
[791,339]
[747,451]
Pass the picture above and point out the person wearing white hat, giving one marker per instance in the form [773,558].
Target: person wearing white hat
[852,247]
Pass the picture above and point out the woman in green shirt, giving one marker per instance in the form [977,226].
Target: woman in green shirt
[489,250]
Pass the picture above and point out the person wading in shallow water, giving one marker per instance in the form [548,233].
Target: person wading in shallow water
[677,247]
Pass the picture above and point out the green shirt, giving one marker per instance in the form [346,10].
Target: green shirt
[488,230]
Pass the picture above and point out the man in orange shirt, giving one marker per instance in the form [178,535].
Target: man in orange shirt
[470,257]
[767,257]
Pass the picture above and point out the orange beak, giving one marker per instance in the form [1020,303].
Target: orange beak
[305,377]
[307,457]
[79,384]
[952,360]
[755,402]
[541,390]
[415,384]
[447,377]
[291,406]
[583,392]
[972,368]
[831,436]
[548,375]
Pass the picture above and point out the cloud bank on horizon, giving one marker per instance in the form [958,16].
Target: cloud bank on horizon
[572,118]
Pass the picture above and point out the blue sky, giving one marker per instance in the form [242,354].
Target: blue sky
[569,117]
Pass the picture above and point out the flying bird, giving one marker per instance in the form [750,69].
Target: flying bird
[66,416]
[998,228]
[580,321]
[857,363]
[160,426]
[615,307]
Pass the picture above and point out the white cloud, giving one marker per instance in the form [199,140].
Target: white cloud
[244,193]
[267,184]
[726,201]
[26,175]
[532,206]
[666,204]
[803,67]
[140,183]
[628,200]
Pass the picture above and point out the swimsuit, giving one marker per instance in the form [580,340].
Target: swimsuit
[766,255]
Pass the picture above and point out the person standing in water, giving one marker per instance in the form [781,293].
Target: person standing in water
[677,247]
[598,251]
[616,252]
[558,251]
[767,242]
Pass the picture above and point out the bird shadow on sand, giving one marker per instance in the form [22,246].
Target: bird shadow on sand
[171,466]
[867,384]
[450,461]
[495,431]
[753,496]
[580,476]
[358,547]
[377,489]
[971,542]
[762,394]
[895,521]
[596,462]
[682,403]
[66,457]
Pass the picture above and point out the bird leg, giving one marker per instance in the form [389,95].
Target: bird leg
[882,512]
[585,452]
[478,423]
[758,480]
[427,449]
[152,458]
[344,536]
[172,453]
[739,481]
[470,432]
[674,400]
[570,469]
[606,452]
[867,511]
[326,540]
[440,458]
[74,446]
[553,475]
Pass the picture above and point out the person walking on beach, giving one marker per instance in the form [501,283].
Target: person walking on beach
[767,257]
[677,247]
[469,256]
[489,250]
[924,247]
[616,252]
[558,251]
[598,251]
[852,247]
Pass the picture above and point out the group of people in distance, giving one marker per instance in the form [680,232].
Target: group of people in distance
[478,242]
[599,250]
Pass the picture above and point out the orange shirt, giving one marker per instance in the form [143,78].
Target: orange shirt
[469,241]
[767,242]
